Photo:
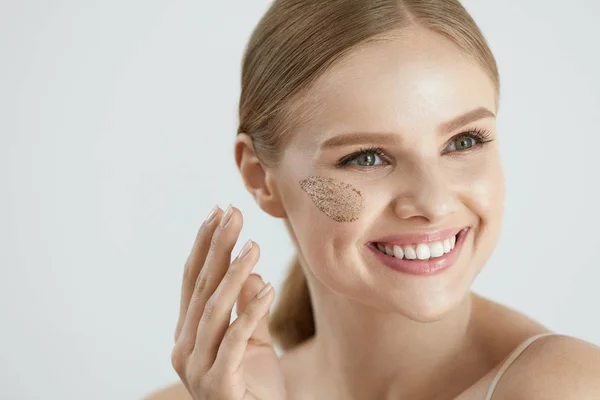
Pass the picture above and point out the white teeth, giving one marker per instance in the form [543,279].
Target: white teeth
[436,249]
[447,246]
[423,252]
[398,252]
[409,253]
[389,251]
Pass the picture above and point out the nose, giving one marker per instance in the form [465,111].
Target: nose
[425,194]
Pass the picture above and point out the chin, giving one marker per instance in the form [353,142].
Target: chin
[432,309]
[424,298]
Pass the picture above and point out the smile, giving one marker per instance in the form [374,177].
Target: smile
[420,254]
[421,251]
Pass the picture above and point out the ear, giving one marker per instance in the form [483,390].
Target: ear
[258,179]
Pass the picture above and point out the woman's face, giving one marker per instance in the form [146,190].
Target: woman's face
[428,110]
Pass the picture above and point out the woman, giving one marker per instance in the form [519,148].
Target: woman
[369,127]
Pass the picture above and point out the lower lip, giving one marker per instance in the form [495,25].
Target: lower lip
[422,267]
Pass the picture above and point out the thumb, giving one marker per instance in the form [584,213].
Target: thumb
[250,289]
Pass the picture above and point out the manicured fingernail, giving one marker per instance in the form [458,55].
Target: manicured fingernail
[211,215]
[245,249]
[227,216]
[264,290]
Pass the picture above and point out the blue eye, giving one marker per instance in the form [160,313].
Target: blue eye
[363,158]
[469,140]
[463,143]
[367,159]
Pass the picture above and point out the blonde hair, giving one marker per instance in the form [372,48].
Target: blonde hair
[294,43]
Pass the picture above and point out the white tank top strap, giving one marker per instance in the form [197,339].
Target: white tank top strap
[511,358]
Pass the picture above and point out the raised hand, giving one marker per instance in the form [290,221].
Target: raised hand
[216,360]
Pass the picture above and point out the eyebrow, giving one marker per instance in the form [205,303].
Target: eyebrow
[347,139]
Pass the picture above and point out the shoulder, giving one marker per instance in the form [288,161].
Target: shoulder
[175,391]
[552,368]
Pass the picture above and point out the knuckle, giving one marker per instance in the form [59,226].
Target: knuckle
[210,309]
[230,273]
[178,360]
[222,240]
[234,334]
[200,285]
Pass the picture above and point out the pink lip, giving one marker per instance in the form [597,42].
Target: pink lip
[413,238]
[422,267]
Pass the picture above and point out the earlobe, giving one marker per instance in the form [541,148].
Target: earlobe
[258,178]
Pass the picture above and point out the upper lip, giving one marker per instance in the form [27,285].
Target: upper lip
[425,237]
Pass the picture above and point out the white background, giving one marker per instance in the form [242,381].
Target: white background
[117,120]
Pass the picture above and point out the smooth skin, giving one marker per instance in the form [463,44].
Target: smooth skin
[380,334]
[216,360]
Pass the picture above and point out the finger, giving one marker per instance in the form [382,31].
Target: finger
[233,347]
[215,266]
[194,263]
[217,312]
[252,286]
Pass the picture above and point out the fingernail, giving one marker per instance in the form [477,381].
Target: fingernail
[227,216]
[264,290]
[211,215]
[245,249]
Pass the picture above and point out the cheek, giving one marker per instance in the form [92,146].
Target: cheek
[327,217]
[338,200]
[331,209]
[322,210]
[482,189]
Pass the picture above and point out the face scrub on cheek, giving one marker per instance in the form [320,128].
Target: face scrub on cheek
[339,201]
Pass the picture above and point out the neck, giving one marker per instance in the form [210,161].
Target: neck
[366,353]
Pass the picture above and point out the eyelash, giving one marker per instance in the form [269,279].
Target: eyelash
[480,135]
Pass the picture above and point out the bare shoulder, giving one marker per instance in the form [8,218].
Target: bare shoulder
[502,328]
[553,367]
[175,391]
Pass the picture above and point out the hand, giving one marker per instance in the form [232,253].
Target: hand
[216,360]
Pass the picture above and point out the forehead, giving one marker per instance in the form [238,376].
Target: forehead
[409,83]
